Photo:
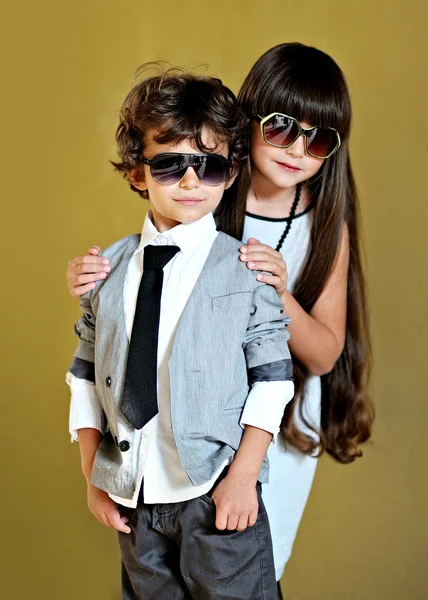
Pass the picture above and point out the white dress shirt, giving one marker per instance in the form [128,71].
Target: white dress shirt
[156,460]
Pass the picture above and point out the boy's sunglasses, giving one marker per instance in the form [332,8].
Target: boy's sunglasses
[169,167]
[282,131]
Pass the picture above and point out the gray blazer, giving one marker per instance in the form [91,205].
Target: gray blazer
[232,333]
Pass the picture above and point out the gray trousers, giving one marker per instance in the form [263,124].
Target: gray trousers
[175,552]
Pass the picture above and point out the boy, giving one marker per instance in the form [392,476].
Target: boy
[172,441]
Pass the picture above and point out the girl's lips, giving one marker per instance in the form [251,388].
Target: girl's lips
[288,167]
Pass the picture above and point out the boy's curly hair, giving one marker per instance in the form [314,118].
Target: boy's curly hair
[177,105]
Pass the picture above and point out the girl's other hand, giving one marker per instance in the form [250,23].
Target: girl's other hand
[84,271]
[260,257]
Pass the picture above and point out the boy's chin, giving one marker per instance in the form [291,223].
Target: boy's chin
[191,216]
[164,221]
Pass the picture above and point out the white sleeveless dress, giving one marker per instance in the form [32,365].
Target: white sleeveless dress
[291,472]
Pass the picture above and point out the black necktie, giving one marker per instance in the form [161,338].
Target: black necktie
[140,400]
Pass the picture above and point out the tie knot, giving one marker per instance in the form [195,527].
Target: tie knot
[156,257]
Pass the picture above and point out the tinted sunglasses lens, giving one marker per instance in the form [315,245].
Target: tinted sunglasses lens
[280,130]
[167,169]
[212,169]
[321,142]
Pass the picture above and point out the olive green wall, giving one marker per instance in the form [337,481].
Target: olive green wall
[66,67]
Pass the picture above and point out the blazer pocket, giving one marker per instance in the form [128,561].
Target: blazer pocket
[236,300]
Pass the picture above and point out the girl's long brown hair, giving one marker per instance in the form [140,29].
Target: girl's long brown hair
[307,84]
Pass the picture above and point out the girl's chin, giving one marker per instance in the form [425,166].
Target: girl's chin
[286,180]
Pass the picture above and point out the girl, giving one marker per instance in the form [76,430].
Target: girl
[295,202]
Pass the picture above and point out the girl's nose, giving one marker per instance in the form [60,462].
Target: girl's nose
[298,148]
[190,180]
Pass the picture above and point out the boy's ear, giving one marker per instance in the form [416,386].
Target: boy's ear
[136,177]
[233,175]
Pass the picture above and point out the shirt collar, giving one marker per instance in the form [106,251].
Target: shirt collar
[187,236]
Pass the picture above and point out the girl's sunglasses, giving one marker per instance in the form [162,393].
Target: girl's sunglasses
[282,131]
[169,167]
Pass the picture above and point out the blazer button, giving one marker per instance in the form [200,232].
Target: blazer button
[108,381]
[124,446]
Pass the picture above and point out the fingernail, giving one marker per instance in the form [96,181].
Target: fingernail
[105,261]
[243,249]
[260,277]
[243,257]
[251,264]
[108,269]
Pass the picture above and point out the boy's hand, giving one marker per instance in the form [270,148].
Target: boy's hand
[84,271]
[236,502]
[261,257]
[105,510]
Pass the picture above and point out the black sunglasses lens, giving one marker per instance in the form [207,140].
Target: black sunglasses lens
[280,130]
[212,169]
[321,142]
[167,169]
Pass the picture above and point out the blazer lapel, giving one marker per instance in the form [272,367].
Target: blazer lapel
[204,283]
[112,313]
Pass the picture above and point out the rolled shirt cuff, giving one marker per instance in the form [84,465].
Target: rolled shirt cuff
[265,405]
[85,408]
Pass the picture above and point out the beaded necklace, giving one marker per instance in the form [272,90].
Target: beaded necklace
[291,217]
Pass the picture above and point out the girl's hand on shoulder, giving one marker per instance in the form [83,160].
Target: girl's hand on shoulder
[84,271]
[261,257]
